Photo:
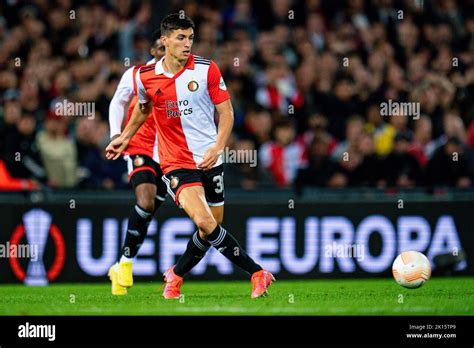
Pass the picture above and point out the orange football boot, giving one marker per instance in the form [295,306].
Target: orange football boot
[261,280]
[173,284]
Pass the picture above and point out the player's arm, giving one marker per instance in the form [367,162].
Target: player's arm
[119,144]
[226,122]
[139,115]
[121,98]
[221,99]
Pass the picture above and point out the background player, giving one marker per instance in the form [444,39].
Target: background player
[144,171]
[183,91]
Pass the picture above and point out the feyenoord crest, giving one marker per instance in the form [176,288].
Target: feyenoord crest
[174,182]
[138,161]
[193,86]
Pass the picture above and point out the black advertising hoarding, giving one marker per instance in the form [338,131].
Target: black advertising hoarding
[305,241]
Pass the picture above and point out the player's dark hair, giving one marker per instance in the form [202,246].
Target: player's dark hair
[283,123]
[155,37]
[175,21]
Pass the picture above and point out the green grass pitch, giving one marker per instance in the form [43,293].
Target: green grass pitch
[440,296]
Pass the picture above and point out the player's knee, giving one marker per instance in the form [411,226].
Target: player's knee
[219,219]
[205,223]
[145,194]
[147,203]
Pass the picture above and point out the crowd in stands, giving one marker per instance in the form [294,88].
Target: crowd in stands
[308,81]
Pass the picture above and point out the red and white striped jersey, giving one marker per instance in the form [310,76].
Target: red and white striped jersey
[283,162]
[145,141]
[183,109]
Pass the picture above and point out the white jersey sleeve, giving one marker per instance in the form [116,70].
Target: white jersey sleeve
[151,61]
[141,92]
[117,108]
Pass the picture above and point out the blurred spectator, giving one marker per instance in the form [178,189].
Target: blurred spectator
[470,141]
[258,125]
[321,170]
[11,114]
[243,174]
[354,130]
[449,166]
[317,126]
[375,123]
[240,16]
[316,63]
[453,126]
[368,173]
[304,100]
[400,167]
[20,153]
[59,154]
[339,106]
[8,183]
[384,137]
[277,88]
[422,146]
[349,163]
[283,156]
[95,171]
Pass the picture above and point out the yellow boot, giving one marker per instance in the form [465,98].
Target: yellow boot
[125,277]
[116,288]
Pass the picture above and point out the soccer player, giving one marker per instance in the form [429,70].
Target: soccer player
[183,90]
[144,171]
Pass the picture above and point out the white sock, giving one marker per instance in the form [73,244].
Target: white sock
[126,259]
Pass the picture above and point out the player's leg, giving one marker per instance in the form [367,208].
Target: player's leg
[197,246]
[150,192]
[188,191]
[213,182]
[186,262]
[142,174]
[193,201]
[218,213]
[139,218]
[176,181]
[161,189]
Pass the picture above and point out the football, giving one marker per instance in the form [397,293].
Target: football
[411,269]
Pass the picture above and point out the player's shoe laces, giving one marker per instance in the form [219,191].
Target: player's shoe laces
[173,284]
[125,277]
[261,280]
[116,288]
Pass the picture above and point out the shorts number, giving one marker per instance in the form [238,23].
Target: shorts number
[219,180]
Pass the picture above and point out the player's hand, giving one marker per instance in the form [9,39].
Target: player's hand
[210,158]
[115,148]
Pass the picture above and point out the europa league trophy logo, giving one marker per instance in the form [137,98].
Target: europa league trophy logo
[37,223]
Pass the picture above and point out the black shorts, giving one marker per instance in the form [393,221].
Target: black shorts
[211,180]
[143,169]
